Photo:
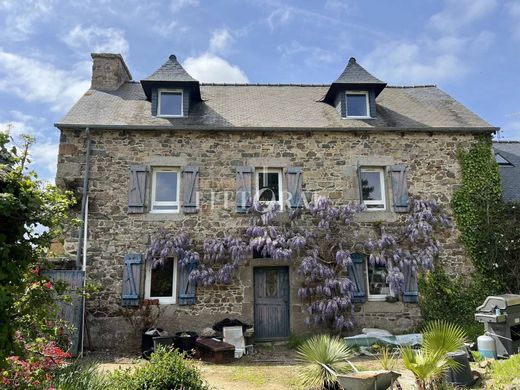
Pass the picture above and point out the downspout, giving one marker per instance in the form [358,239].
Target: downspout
[81,254]
[83,201]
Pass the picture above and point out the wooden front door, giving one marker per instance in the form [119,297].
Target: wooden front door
[271,286]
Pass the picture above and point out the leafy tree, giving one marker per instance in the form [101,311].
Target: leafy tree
[31,214]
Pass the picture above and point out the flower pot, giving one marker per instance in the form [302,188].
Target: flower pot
[185,341]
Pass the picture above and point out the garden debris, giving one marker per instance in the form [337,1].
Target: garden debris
[374,336]
[219,326]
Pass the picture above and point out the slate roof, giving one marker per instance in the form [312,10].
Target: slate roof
[275,107]
[354,76]
[510,174]
[171,70]
[171,74]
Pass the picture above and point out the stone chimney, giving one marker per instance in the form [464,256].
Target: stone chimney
[109,71]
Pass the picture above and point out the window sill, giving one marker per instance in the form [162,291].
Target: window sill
[357,117]
[376,216]
[170,116]
[163,216]
[377,298]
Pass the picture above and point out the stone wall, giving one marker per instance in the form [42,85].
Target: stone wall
[329,161]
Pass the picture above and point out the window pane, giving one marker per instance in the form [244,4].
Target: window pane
[162,280]
[371,185]
[171,103]
[357,105]
[377,280]
[166,187]
[268,186]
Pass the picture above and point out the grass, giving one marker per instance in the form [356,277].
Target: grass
[506,373]
[246,374]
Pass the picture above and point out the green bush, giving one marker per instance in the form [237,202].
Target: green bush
[80,376]
[452,299]
[295,340]
[166,370]
[506,373]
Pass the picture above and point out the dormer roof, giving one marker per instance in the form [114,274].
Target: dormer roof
[171,74]
[354,77]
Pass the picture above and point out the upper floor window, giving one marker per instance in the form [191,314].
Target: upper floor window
[357,104]
[373,188]
[165,190]
[269,185]
[170,103]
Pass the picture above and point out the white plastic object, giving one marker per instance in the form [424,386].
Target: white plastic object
[234,335]
[487,346]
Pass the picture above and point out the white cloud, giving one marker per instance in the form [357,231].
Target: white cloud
[44,151]
[21,17]
[37,81]
[177,5]
[513,11]
[220,40]
[97,39]
[414,62]
[339,5]
[457,14]
[211,68]
[311,55]
[279,17]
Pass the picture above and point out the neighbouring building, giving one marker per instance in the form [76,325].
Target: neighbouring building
[507,156]
[157,143]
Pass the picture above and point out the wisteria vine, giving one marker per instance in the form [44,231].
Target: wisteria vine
[320,241]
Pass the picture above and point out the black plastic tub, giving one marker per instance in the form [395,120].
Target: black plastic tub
[185,341]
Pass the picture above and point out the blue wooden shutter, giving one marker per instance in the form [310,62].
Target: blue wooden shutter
[295,186]
[131,279]
[243,189]
[187,288]
[410,293]
[399,188]
[137,189]
[190,176]
[356,273]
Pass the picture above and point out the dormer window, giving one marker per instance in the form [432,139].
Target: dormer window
[358,105]
[170,103]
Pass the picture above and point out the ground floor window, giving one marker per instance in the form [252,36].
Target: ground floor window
[161,282]
[378,287]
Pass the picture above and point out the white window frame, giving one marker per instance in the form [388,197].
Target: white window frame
[155,170]
[374,297]
[160,92]
[367,103]
[260,171]
[148,285]
[382,183]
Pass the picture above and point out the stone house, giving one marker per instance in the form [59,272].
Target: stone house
[170,152]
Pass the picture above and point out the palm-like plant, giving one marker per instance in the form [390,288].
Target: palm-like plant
[323,355]
[430,362]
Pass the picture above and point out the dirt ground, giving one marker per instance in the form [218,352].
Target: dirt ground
[272,367]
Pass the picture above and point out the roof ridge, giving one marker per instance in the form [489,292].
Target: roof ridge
[303,85]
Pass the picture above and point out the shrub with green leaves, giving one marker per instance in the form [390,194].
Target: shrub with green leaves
[429,363]
[453,299]
[322,356]
[80,376]
[505,374]
[166,370]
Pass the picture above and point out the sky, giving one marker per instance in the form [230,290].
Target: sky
[468,48]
